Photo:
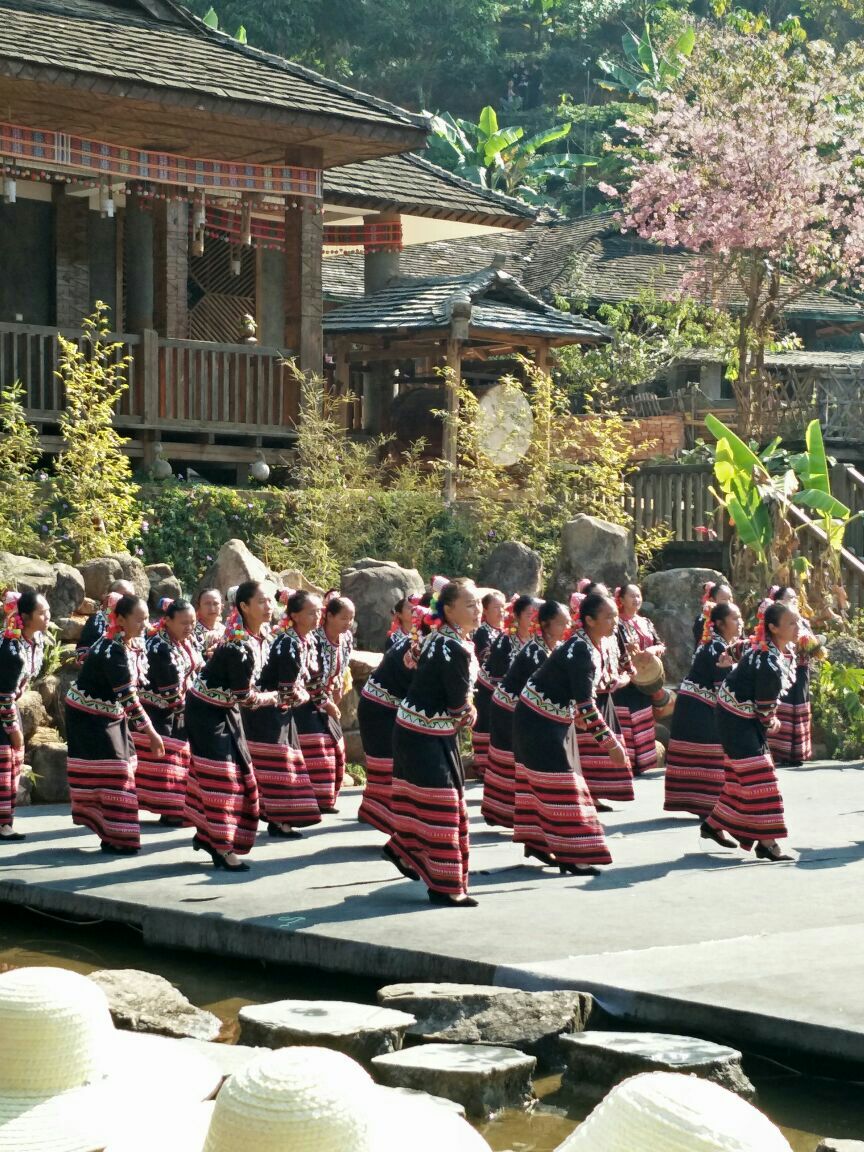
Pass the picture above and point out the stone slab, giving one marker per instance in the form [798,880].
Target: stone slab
[361,1031]
[670,938]
[145,1002]
[484,1078]
[597,1061]
[830,1145]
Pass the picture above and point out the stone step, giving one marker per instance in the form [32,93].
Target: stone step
[361,1031]
[596,1061]
[483,1078]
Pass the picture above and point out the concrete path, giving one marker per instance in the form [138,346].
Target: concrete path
[670,935]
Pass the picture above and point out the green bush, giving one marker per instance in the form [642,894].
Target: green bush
[838,708]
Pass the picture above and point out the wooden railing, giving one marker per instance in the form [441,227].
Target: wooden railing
[174,385]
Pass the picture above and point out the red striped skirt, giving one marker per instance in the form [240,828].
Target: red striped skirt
[285,792]
[222,803]
[325,763]
[695,775]
[499,788]
[750,806]
[103,798]
[605,781]
[430,835]
[11,763]
[377,795]
[555,814]
[794,742]
[160,781]
[636,718]
[480,748]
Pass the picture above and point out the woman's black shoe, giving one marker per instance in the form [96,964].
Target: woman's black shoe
[445,901]
[240,866]
[536,854]
[13,838]
[706,832]
[577,869]
[602,806]
[113,850]
[172,821]
[776,857]
[409,873]
[280,833]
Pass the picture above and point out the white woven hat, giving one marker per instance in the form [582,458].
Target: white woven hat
[670,1112]
[68,1078]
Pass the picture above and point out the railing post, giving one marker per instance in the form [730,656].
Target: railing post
[148,367]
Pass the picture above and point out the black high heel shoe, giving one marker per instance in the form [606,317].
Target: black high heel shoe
[218,859]
[388,854]
[13,838]
[543,857]
[706,832]
[445,901]
[777,857]
[577,869]
[113,850]
[280,833]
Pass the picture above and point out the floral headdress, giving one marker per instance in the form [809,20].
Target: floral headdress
[329,596]
[114,627]
[707,626]
[14,623]
[760,636]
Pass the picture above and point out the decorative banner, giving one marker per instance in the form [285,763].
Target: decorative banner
[93,156]
[374,236]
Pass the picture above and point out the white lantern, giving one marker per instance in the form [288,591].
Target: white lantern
[259,469]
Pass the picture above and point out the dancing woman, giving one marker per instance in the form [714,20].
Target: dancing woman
[222,794]
[712,593]
[21,650]
[792,744]
[637,637]
[499,785]
[209,628]
[95,625]
[556,819]
[430,820]
[491,623]
[101,708]
[318,720]
[695,771]
[400,628]
[172,660]
[750,806]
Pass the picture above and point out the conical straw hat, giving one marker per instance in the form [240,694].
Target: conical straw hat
[670,1112]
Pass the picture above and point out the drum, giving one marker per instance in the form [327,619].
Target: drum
[649,675]
[663,705]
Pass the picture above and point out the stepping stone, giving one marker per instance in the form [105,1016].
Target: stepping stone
[829,1144]
[145,1002]
[228,1058]
[597,1061]
[481,1077]
[486,1014]
[361,1031]
[421,1097]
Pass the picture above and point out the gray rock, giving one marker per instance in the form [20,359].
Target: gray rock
[481,1077]
[594,548]
[60,584]
[375,586]
[99,574]
[422,1097]
[484,1014]
[846,650]
[168,587]
[673,600]
[354,753]
[294,578]
[47,755]
[33,713]
[145,1002]
[24,793]
[830,1144]
[53,691]
[133,570]
[597,1061]
[234,564]
[513,568]
[68,591]
[360,1031]
[70,628]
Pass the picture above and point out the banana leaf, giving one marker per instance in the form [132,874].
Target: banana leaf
[818,475]
[748,532]
[822,502]
[744,456]
[488,122]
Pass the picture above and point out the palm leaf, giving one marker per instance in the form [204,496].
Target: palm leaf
[488,122]
[743,456]
[558,132]
[818,475]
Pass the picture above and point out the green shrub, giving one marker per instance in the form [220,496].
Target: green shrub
[21,499]
[838,708]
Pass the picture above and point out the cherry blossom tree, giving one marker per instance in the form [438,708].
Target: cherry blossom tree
[756,161]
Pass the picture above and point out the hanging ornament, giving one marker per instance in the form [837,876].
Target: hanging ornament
[236,259]
[106,201]
[10,190]
[246,222]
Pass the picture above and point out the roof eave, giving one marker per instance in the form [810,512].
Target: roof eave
[430,211]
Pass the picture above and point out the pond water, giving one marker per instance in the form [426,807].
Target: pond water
[804,1105]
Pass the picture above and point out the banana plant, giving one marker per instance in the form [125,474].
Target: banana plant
[646,72]
[814,471]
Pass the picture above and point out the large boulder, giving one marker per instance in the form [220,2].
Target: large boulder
[102,571]
[163,584]
[47,756]
[512,568]
[294,578]
[33,713]
[533,1022]
[235,564]
[376,586]
[673,600]
[594,548]
[53,691]
[145,1002]
[846,650]
[60,584]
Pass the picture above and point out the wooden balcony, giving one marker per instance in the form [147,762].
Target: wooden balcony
[206,402]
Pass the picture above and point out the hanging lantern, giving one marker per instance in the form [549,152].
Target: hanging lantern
[10,190]
[161,469]
[246,222]
[236,260]
[106,201]
[259,469]
[199,224]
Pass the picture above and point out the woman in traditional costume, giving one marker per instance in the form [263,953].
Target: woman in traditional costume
[285,793]
[102,708]
[491,623]
[792,744]
[172,661]
[750,806]
[95,625]
[695,771]
[712,593]
[318,720]
[556,819]
[430,819]
[637,637]
[499,785]
[222,793]
[400,627]
[209,628]
[27,617]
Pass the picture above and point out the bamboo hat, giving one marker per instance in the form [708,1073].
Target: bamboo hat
[68,1078]
[670,1112]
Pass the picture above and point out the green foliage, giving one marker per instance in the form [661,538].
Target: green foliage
[838,708]
[20,494]
[95,500]
[647,70]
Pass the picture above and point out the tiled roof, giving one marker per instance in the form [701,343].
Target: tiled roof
[415,186]
[124,42]
[584,257]
[498,302]
[801,358]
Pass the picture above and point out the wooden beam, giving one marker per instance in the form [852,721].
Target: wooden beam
[454,374]
[304,307]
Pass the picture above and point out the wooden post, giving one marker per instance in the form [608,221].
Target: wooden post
[304,306]
[342,377]
[148,371]
[454,380]
[541,356]
[171,269]
[72,258]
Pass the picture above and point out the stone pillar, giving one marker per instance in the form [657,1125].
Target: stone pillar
[102,243]
[138,246]
[270,297]
[72,258]
[171,269]
[380,267]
